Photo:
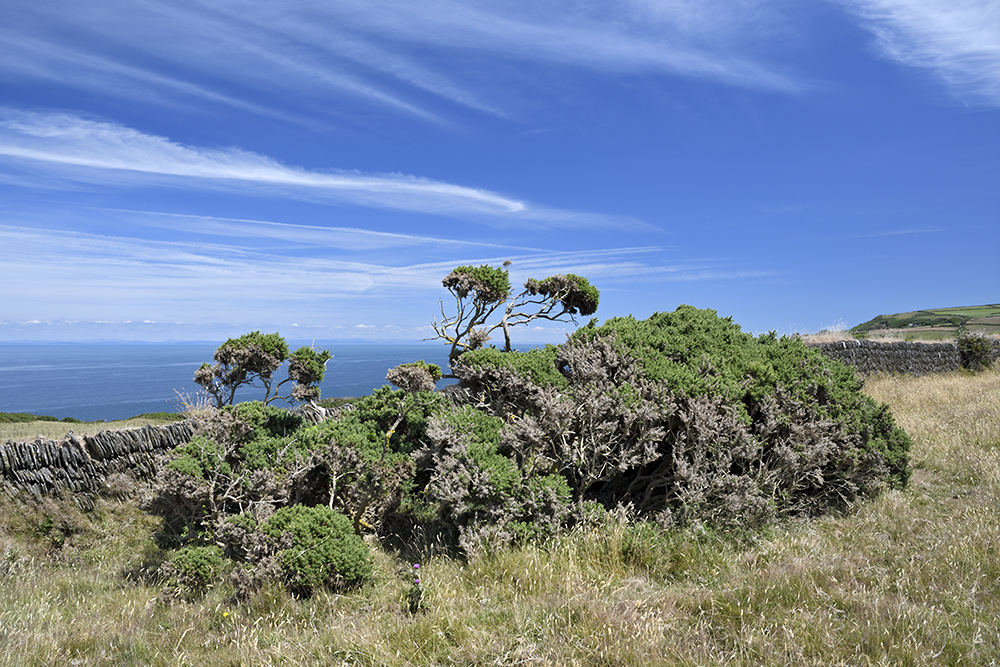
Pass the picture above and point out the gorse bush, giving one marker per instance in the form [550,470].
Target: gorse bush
[681,418]
[252,462]
[192,570]
[315,547]
[478,488]
[977,351]
[687,418]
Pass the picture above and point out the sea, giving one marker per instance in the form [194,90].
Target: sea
[109,381]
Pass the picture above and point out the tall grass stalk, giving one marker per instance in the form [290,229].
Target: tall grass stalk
[911,578]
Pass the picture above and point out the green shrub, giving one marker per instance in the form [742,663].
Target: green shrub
[382,407]
[483,495]
[976,350]
[318,547]
[687,418]
[22,417]
[200,457]
[490,283]
[538,365]
[192,570]
[417,376]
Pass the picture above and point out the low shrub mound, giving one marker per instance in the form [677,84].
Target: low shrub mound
[316,547]
[686,417]
[275,491]
[192,570]
[976,350]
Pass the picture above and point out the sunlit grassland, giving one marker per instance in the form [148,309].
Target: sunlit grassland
[57,430]
[910,578]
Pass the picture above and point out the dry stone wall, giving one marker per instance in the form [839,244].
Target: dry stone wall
[79,466]
[899,357]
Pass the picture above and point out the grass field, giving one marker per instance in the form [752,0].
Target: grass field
[911,578]
[934,323]
[56,430]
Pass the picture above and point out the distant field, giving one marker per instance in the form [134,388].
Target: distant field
[935,323]
[54,430]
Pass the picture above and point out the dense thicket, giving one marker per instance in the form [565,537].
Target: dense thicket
[682,416]
[685,416]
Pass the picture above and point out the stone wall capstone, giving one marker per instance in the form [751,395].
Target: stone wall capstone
[78,466]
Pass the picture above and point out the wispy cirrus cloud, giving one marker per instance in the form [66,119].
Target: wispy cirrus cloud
[956,40]
[706,39]
[250,232]
[104,153]
[176,53]
[98,151]
[424,60]
[202,282]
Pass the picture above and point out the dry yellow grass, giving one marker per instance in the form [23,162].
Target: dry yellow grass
[25,431]
[911,578]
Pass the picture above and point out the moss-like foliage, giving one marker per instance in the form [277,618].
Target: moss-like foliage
[538,365]
[487,283]
[191,570]
[318,548]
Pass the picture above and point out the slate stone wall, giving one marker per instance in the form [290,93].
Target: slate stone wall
[899,357]
[78,466]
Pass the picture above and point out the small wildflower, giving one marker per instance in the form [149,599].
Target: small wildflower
[416,594]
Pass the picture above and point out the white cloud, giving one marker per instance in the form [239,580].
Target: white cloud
[39,59]
[109,154]
[679,38]
[238,230]
[957,40]
[114,278]
[402,56]
[72,141]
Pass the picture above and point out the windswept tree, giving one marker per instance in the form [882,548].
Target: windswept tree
[252,360]
[485,302]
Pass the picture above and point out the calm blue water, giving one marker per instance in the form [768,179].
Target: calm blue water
[116,381]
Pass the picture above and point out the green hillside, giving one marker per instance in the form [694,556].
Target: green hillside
[974,318]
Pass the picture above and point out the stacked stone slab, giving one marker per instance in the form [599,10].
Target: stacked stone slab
[78,467]
[899,357]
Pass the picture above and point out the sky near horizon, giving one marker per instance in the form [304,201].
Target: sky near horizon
[192,170]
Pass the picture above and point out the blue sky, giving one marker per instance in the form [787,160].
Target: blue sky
[190,170]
